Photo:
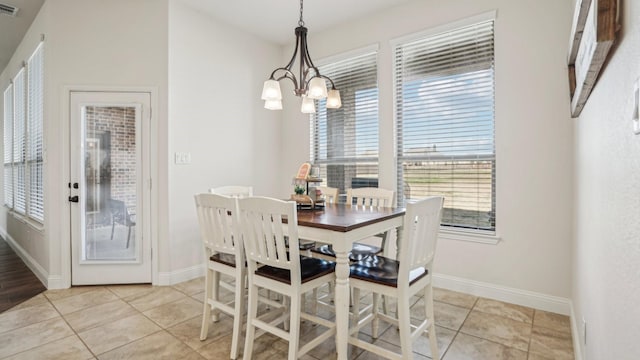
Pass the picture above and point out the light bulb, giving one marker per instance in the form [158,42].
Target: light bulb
[317,88]
[308,106]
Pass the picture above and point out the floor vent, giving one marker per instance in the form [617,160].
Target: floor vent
[8,10]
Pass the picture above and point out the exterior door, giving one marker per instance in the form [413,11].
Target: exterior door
[109,188]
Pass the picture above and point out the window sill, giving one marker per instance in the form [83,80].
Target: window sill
[470,236]
[28,221]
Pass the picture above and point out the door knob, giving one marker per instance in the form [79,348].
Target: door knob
[73,198]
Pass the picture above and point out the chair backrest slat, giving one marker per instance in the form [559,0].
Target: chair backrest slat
[330,194]
[218,228]
[419,235]
[233,191]
[368,196]
[264,228]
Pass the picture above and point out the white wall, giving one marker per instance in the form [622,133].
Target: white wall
[30,238]
[89,43]
[606,270]
[534,138]
[215,113]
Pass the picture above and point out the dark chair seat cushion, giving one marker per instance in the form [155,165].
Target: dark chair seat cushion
[302,244]
[310,268]
[226,259]
[357,253]
[381,270]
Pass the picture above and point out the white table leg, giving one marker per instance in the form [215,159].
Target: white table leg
[342,301]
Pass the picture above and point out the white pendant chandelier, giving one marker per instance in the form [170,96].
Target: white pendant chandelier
[310,84]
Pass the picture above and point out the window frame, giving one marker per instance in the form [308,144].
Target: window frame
[488,236]
[27,144]
[364,161]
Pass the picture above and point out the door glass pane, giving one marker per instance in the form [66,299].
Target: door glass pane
[110,183]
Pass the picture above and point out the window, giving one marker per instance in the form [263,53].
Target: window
[23,140]
[344,142]
[445,123]
[8,146]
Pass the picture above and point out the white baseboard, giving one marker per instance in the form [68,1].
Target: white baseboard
[531,299]
[575,329]
[178,276]
[31,263]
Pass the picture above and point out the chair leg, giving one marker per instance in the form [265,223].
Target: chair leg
[215,293]
[113,227]
[252,313]
[294,327]
[237,317]
[433,340]
[314,304]
[375,324]
[355,292]
[128,236]
[404,323]
[206,311]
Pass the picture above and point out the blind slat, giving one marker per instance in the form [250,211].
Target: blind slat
[445,123]
[344,142]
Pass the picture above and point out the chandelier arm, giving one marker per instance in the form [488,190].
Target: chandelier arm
[287,75]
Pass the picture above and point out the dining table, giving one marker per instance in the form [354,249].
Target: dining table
[340,225]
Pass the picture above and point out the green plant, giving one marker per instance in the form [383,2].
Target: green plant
[299,189]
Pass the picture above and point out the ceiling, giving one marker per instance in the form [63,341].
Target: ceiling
[272,20]
[12,29]
[275,20]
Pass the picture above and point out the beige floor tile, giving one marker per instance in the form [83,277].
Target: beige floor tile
[63,293]
[514,312]
[125,291]
[511,333]
[422,345]
[26,316]
[36,300]
[120,332]
[69,348]
[383,344]
[448,316]
[454,298]
[189,331]
[156,296]
[29,337]
[199,296]
[538,357]
[265,347]
[466,347]
[158,346]
[175,312]
[551,343]
[552,321]
[99,315]
[97,296]
[191,287]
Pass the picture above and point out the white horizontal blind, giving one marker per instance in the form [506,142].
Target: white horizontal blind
[445,123]
[344,142]
[8,146]
[35,68]
[19,123]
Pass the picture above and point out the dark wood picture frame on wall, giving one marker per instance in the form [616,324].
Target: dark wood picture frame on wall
[592,35]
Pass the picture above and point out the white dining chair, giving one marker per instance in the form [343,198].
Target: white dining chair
[238,191]
[219,229]
[265,223]
[365,197]
[330,194]
[408,276]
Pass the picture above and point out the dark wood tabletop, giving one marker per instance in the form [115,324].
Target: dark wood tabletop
[343,218]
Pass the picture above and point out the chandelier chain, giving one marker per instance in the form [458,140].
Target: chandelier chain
[301,22]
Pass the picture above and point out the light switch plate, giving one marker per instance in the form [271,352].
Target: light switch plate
[182,158]
[636,108]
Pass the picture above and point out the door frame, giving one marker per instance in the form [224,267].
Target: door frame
[65,134]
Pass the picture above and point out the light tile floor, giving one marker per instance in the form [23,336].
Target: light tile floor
[145,322]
